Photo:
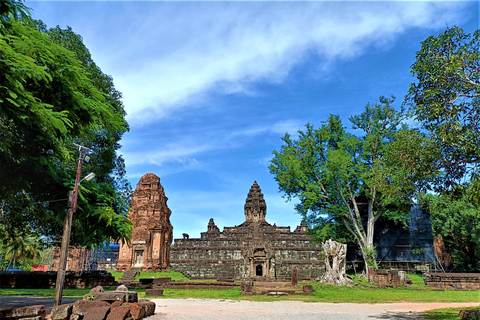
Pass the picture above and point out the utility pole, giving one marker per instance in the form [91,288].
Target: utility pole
[71,208]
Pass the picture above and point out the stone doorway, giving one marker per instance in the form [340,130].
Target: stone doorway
[258,263]
[259,270]
[138,258]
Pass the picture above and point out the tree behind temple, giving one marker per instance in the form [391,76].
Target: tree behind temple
[446,101]
[354,180]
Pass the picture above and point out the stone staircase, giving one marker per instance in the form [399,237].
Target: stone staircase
[129,276]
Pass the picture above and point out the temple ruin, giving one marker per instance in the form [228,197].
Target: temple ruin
[149,248]
[255,249]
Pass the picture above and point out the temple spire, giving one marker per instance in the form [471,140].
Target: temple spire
[255,206]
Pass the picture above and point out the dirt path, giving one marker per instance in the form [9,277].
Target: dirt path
[196,309]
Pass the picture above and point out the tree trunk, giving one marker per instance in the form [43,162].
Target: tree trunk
[9,263]
[369,253]
[335,263]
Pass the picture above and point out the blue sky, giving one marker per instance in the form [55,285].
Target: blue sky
[211,87]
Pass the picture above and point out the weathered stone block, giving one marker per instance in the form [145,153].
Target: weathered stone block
[308,288]
[146,281]
[111,296]
[154,292]
[160,281]
[455,281]
[122,287]
[6,313]
[148,306]
[61,312]
[116,304]
[277,293]
[247,286]
[119,313]
[137,311]
[96,313]
[26,312]
[80,307]
[470,314]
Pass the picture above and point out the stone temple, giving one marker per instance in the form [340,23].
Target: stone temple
[149,248]
[254,250]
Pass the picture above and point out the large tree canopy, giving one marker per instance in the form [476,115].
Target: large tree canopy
[455,217]
[51,95]
[355,179]
[446,100]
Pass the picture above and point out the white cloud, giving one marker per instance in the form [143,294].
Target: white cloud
[184,151]
[183,51]
[290,126]
[173,152]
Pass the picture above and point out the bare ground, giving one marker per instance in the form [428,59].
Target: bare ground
[195,309]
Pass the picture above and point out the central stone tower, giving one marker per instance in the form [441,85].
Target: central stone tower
[255,206]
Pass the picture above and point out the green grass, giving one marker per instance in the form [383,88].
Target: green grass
[176,276]
[360,292]
[48,292]
[233,293]
[445,314]
[117,274]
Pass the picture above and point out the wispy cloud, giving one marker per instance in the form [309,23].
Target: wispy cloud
[186,150]
[189,50]
[173,152]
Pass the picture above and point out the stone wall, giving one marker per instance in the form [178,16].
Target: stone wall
[208,268]
[387,278]
[45,280]
[453,281]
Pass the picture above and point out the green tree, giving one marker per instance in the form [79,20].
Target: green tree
[17,244]
[354,180]
[456,220]
[446,100]
[13,9]
[48,100]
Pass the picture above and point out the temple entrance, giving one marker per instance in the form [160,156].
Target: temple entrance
[259,270]
[258,263]
[138,258]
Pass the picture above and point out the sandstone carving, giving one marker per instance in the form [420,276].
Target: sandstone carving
[149,248]
[255,249]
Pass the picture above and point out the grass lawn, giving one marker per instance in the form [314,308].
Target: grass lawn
[360,292]
[446,314]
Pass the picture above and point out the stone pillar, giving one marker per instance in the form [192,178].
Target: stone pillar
[294,276]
